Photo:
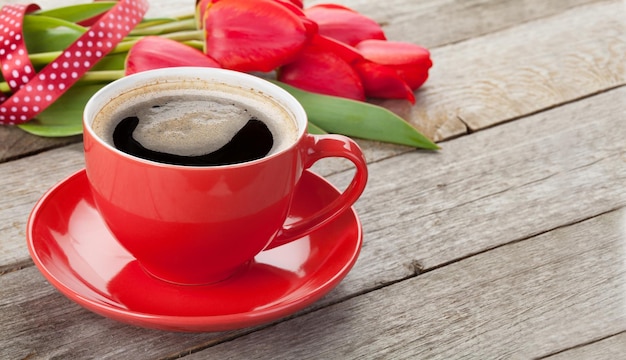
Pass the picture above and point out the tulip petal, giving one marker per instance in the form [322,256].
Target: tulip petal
[153,52]
[298,3]
[296,7]
[348,53]
[293,5]
[202,6]
[344,24]
[409,60]
[323,72]
[256,35]
[380,81]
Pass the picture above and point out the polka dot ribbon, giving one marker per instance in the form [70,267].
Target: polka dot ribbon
[34,92]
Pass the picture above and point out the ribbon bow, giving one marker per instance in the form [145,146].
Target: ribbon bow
[33,92]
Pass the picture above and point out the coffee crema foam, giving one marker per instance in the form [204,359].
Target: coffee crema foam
[191,118]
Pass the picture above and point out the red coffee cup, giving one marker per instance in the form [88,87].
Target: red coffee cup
[201,224]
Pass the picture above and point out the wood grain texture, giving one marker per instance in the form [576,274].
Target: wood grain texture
[22,183]
[611,348]
[492,187]
[434,23]
[15,143]
[519,301]
[40,323]
[524,69]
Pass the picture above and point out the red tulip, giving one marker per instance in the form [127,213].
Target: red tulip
[330,67]
[328,49]
[344,24]
[153,52]
[321,70]
[410,61]
[259,35]
[380,81]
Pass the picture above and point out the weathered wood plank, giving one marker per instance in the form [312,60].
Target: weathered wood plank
[481,193]
[518,301]
[610,348]
[23,182]
[521,70]
[505,183]
[40,323]
[433,23]
[15,143]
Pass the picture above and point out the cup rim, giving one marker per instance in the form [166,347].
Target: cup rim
[179,74]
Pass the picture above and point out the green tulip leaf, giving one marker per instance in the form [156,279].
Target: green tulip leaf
[314,129]
[64,116]
[46,34]
[115,61]
[164,26]
[358,119]
[80,12]
[145,23]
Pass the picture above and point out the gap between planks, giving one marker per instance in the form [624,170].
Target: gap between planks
[566,353]
[540,260]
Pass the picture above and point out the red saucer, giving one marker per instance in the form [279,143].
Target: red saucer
[71,246]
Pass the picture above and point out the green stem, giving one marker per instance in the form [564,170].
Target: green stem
[148,23]
[185,35]
[194,38]
[90,77]
[101,76]
[180,36]
[165,28]
[42,59]
[196,44]
[186,17]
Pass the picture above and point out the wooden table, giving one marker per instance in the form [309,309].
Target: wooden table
[510,242]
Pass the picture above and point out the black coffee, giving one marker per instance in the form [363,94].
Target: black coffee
[195,126]
[253,141]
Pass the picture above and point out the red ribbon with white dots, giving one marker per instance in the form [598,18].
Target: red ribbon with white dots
[33,92]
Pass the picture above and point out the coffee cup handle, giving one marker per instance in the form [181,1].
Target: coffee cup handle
[316,148]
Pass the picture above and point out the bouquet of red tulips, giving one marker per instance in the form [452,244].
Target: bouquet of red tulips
[329,57]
